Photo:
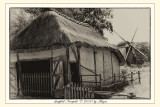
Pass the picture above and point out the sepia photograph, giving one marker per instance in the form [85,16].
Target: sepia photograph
[80,53]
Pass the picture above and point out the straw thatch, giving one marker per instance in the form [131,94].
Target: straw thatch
[51,28]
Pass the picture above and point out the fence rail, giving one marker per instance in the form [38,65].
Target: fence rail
[131,75]
[124,79]
[96,82]
[94,74]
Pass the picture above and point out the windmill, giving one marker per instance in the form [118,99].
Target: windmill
[126,47]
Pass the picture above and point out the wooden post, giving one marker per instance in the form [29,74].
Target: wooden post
[114,77]
[100,81]
[92,96]
[72,91]
[112,66]
[19,77]
[65,96]
[139,76]
[88,95]
[81,79]
[67,77]
[29,84]
[95,66]
[74,86]
[132,78]
[91,93]
[68,92]
[115,81]
[80,92]
[103,68]
[83,91]
[51,77]
[77,91]
[124,79]
[86,92]
[79,62]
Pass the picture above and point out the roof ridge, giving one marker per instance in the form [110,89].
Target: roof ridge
[71,19]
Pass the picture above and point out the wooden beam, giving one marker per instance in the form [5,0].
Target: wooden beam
[112,66]
[19,76]
[67,67]
[55,67]
[103,67]
[51,74]
[95,69]
[88,69]
[79,63]
[74,52]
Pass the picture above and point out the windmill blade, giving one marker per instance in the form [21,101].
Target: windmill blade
[130,44]
[139,51]
[128,52]
[134,35]
[120,36]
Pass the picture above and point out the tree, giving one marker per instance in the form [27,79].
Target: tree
[96,17]
[138,59]
[19,19]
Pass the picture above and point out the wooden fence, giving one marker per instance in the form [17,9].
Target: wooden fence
[125,78]
[74,91]
[97,81]
[36,84]
[132,77]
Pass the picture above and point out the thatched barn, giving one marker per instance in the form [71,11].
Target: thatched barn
[55,50]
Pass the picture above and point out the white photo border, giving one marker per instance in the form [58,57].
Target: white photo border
[81,101]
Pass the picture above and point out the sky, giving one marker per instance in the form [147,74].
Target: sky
[126,21]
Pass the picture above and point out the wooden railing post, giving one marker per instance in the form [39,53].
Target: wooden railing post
[80,92]
[114,77]
[81,79]
[77,88]
[100,78]
[72,91]
[95,69]
[65,93]
[88,93]
[124,79]
[139,78]
[132,78]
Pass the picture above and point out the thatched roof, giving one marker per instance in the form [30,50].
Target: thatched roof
[52,28]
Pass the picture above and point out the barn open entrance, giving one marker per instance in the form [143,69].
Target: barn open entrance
[35,78]
[74,72]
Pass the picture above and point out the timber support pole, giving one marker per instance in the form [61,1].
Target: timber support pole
[79,63]
[139,77]
[67,76]
[51,74]
[19,77]
[132,78]
[112,67]
[95,65]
